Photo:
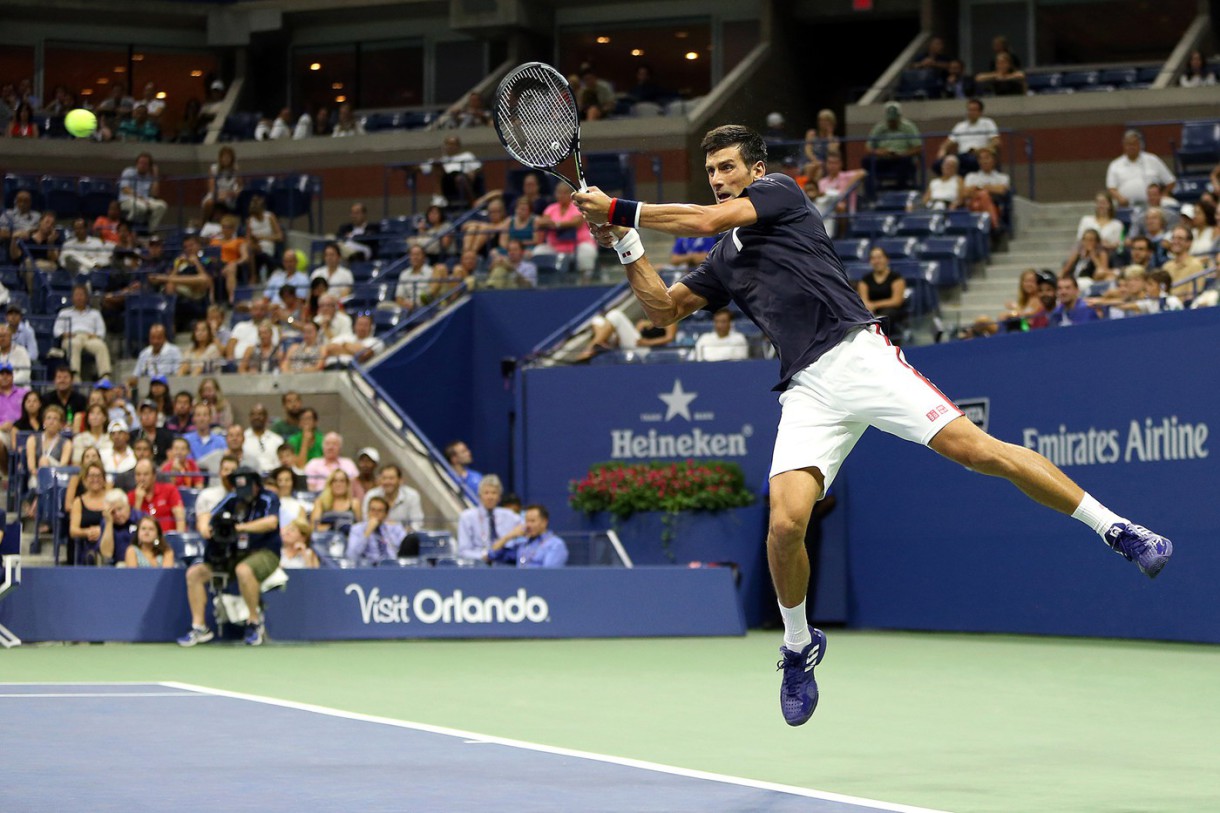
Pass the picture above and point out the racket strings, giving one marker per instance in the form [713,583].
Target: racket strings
[537,117]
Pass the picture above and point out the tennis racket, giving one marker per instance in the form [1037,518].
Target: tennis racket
[537,120]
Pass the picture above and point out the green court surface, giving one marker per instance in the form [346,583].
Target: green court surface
[954,722]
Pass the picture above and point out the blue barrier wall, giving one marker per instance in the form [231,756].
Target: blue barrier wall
[91,604]
[933,546]
[450,382]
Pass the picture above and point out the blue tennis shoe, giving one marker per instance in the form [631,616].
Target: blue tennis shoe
[1135,543]
[798,693]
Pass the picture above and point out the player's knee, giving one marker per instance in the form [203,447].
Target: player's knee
[786,530]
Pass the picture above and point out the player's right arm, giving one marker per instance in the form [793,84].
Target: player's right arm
[663,305]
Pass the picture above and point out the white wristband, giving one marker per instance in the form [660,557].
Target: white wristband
[629,247]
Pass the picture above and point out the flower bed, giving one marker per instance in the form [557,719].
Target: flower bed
[627,488]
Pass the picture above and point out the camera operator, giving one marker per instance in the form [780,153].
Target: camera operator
[243,540]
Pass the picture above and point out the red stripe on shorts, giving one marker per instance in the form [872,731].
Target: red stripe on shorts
[919,375]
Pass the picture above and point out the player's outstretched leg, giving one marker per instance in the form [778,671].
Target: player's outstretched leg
[1041,480]
[793,494]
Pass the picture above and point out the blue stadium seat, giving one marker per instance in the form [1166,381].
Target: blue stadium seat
[368,296]
[857,270]
[239,126]
[613,171]
[53,127]
[1080,80]
[1200,145]
[96,195]
[12,278]
[61,196]
[869,224]
[142,312]
[404,224]
[376,122]
[415,119]
[855,249]
[1190,188]
[363,270]
[897,247]
[15,183]
[921,224]
[386,319]
[918,83]
[1043,82]
[895,200]
[953,254]
[975,227]
[292,196]
[1147,75]
[1118,78]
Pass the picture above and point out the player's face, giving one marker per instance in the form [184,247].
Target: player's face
[728,174]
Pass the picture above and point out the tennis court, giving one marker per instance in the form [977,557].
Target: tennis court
[907,722]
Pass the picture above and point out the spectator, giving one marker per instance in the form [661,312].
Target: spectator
[204,355]
[306,442]
[234,256]
[85,517]
[263,232]
[337,497]
[999,47]
[480,528]
[224,184]
[82,252]
[512,270]
[119,527]
[358,238]
[338,278]
[139,127]
[120,458]
[210,497]
[203,441]
[1088,258]
[434,235]
[347,124]
[1197,73]
[80,329]
[531,190]
[1125,298]
[290,274]
[836,190]
[211,394]
[459,174]
[367,460]
[64,396]
[594,97]
[1154,231]
[1026,304]
[259,521]
[947,191]
[563,230]
[968,136]
[40,248]
[150,549]
[538,546]
[29,421]
[1159,300]
[260,442]
[403,501]
[319,468]
[306,355]
[480,236]
[106,227]
[23,334]
[457,453]
[522,226]
[473,112]
[279,129]
[189,279]
[265,356]
[616,330]
[23,125]
[11,399]
[933,57]
[884,292]
[331,321]
[140,192]
[15,356]
[1048,287]
[160,501]
[290,422]
[245,334]
[287,460]
[722,343]
[17,223]
[295,552]
[214,104]
[821,141]
[1109,229]
[117,406]
[446,280]
[1071,310]
[985,189]
[283,482]
[49,447]
[1128,176]
[1181,265]
[235,442]
[183,418]
[1142,254]
[158,438]
[891,149]
[1203,233]
[1005,79]
[358,347]
[413,279]
[92,434]
[180,465]
[378,538]
[159,357]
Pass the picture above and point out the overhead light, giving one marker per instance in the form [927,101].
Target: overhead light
[87,92]
[692,55]
[637,51]
[316,66]
[337,86]
[161,94]
[105,80]
[340,99]
[119,69]
[603,40]
[681,35]
[137,57]
[196,74]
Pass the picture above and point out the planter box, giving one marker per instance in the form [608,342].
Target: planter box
[733,535]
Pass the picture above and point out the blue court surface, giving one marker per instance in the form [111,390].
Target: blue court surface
[179,747]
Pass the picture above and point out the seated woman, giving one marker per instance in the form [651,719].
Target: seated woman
[1089,262]
[521,226]
[204,356]
[150,549]
[1027,302]
[85,518]
[336,497]
[480,236]
[306,355]
[264,356]
[295,551]
[1108,227]
[884,294]
[179,465]
[615,330]
[1005,80]
[47,448]
[945,192]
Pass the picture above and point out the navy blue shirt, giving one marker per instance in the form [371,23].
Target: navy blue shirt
[784,274]
[263,505]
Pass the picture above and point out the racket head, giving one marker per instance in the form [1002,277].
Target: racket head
[537,120]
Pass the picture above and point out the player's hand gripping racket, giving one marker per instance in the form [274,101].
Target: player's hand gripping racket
[537,120]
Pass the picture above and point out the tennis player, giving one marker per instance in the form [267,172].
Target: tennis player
[839,374]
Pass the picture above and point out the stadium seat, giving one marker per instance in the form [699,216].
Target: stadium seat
[12,278]
[142,312]
[975,227]
[868,224]
[1146,75]
[895,200]
[918,83]
[921,224]
[368,296]
[239,126]
[1043,82]
[61,196]
[1118,78]
[16,183]
[1190,188]
[292,196]
[855,249]
[95,196]
[416,119]
[857,270]
[954,256]
[897,247]
[646,110]
[363,270]
[1200,145]
[613,171]
[386,319]
[1080,80]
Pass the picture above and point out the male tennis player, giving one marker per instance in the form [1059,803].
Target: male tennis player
[839,374]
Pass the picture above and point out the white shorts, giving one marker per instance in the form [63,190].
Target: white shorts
[863,381]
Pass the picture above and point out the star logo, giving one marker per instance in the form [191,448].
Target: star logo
[677,401]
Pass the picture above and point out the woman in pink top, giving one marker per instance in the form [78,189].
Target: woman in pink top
[833,186]
[564,231]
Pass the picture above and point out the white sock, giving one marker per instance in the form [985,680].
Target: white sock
[796,627]
[1096,515]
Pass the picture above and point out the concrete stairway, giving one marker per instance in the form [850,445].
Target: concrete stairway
[1045,235]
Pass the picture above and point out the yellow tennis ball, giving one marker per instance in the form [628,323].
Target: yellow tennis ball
[80,123]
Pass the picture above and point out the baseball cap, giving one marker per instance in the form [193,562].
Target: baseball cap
[5,367]
[117,426]
[893,110]
[1188,211]
[217,84]
[13,307]
[370,453]
[159,379]
[103,384]
[155,238]
[1047,277]
[148,403]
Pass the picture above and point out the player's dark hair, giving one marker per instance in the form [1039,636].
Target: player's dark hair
[749,143]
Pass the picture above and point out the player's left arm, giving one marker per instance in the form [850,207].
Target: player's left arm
[678,219]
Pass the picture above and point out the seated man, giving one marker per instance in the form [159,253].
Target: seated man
[82,252]
[512,270]
[722,343]
[161,501]
[537,547]
[1071,310]
[80,329]
[377,538]
[891,149]
[139,192]
[358,237]
[202,440]
[160,357]
[404,502]
[243,539]
[359,346]
[119,522]
[487,525]
[320,468]
[986,187]
[290,274]
[615,329]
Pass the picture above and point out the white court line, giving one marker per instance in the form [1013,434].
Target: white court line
[98,694]
[550,749]
[4,683]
